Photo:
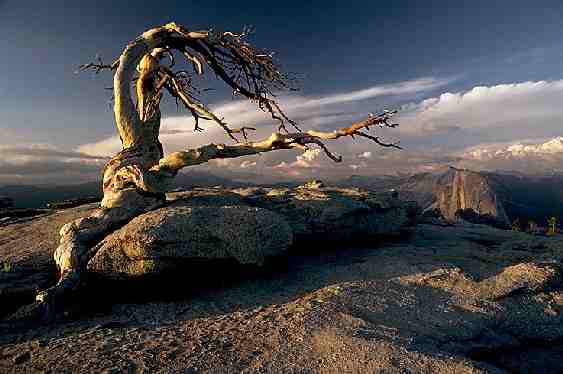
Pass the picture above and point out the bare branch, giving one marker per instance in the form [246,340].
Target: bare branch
[98,66]
[243,131]
[172,163]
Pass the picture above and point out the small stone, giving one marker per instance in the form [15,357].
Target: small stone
[22,357]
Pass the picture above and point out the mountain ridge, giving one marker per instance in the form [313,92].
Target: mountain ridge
[506,197]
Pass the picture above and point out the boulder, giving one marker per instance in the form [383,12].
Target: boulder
[244,225]
[208,226]
[247,225]
[317,213]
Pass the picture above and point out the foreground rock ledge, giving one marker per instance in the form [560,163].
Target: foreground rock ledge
[247,225]
[457,299]
[313,214]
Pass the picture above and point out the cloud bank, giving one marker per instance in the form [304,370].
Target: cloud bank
[310,112]
[43,164]
[514,126]
[495,122]
[526,109]
[526,157]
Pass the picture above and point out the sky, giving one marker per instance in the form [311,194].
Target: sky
[478,84]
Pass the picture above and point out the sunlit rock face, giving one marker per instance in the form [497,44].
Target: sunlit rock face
[319,213]
[449,192]
[246,225]
[192,229]
[463,189]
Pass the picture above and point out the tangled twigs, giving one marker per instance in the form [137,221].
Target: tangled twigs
[381,120]
[98,66]
[243,131]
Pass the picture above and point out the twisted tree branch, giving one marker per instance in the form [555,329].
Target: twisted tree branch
[173,162]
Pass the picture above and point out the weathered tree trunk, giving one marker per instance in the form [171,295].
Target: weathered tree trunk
[129,187]
[136,179]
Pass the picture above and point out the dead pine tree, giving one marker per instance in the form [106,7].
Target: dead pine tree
[136,179]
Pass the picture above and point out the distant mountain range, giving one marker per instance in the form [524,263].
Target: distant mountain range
[505,197]
[29,196]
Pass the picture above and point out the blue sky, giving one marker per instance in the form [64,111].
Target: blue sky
[342,49]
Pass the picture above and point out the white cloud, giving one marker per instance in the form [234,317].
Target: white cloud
[105,147]
[309,155]
[306,160]
[247,164]
[495,127]
[524,156]
[310,112]
[402,88]
[521,149]
[41,163]
[526,104]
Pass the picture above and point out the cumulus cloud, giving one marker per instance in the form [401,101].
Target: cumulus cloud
[306,160]
[309,155]
[488,125]
[527,109]
[525,156]
[521,149]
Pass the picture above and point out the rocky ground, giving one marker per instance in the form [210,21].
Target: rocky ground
[435,299]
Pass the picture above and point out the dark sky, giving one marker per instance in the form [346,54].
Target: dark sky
[337,45]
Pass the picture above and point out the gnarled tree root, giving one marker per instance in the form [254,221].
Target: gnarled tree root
[78,238]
